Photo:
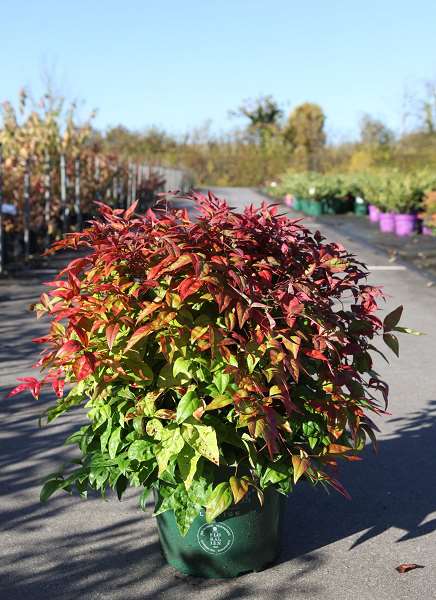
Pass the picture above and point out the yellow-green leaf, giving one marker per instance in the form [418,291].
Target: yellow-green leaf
[219,402]
[219,500]
[181,365]
[187,461]
[114,442]
[239,488]
[187,405]
[170,446]
[300,466]
[203,439]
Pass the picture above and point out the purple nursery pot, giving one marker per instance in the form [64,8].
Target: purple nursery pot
[405,224]
[386,222]
[374,213]
[427,230]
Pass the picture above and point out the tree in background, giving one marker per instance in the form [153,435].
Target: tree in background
[152,145]
[305,133]
[375,147]
[264,115]
[428,109]
[264,133]
[374,133]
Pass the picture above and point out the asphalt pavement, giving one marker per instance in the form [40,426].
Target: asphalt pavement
[333,549]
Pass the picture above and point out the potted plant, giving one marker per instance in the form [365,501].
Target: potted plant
[369,186]
[218,367]
[409,196]
[334,194]
[428,215]
[303,188]
[386,200]
[352,189]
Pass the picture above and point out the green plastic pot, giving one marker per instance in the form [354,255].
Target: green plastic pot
[296,205]
[244,538]
[315,208]
[360,207]
[304,205]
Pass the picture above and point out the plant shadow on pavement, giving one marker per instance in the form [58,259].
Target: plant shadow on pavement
[395,488]
[68,549]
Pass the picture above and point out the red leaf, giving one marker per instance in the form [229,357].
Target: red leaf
[242,313]
[58,387]
[111,334]
[338,449]
[270,432]
[69,348]
[129,212]
[81,334]
[339,487]
[84,366]
[405,567]
[189,286]
[29,383]
[42,340]
[137,336]
[182,261]
[315,354]
[18,390]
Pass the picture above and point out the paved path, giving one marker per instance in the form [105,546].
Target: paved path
[333,549]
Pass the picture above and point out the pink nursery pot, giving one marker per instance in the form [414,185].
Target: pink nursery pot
[386,222]
[374,213]
[405,224]
[289,200]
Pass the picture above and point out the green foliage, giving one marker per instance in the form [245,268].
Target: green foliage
[390,190]
[316,186]
[400,192]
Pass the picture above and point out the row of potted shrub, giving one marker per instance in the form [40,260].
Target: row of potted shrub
[393,199]
[396,199]
[316,194]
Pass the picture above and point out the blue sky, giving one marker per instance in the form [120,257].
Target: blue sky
[176,64]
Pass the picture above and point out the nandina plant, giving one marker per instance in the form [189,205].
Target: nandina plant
[212,355]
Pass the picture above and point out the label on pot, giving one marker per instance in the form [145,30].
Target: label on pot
[215,538]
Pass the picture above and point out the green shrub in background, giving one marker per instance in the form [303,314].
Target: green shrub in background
[390,190]
[401,192]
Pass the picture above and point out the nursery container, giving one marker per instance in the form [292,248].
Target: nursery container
[303,204]
[427,230]
[296,205]
[244,538]
[387,222]
[374,213]
[314,208]
[360,207]
[405,224]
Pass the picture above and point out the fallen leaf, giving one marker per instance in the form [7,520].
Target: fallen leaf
[405,567]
